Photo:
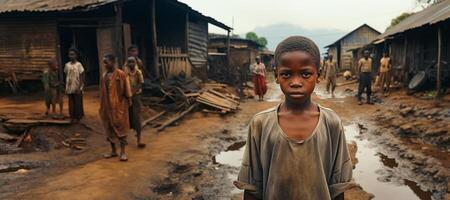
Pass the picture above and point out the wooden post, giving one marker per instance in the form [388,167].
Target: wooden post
[405,68]
[187,33]
[439,66]
[119,32]
[154,40]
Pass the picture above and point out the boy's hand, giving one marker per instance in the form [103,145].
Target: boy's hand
[130,102]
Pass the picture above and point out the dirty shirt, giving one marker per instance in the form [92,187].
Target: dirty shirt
[330,69]
[73,81]
[277,167]
[366,65]
[114,95]
[136,79]
[50,79]
[384,64]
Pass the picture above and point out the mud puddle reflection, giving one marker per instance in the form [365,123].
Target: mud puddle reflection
[375,172]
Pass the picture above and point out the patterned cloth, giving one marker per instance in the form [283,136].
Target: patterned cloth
[73,81]
[136,79]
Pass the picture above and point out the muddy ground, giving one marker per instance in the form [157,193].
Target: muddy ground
[401,150]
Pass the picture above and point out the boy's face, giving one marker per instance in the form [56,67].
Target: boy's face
[133,52]
[109,65]
[53,65]
[297,76]
[131,63]
[72,55]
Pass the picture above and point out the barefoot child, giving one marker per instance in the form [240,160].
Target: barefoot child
[115,98]
[330,72]
[54,88]
[259,78]
[136,80]
[296,150]
[74,86]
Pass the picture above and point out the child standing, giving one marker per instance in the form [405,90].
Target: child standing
[54,88]
[296,150]
[365,77]
[330,72]
[74,85]
[259,78]
[115,98]
[136,80]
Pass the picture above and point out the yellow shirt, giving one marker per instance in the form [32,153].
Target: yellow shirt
[384,64]
[366,65]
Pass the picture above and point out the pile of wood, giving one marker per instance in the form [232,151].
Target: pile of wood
[75,142]
[222,102]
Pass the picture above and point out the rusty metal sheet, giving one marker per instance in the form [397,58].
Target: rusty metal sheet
[47,5]
[433,14]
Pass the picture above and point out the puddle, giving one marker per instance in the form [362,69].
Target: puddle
[274,93]
[374,166]
[232,156]
[323,94]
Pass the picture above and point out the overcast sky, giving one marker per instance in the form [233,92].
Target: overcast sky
[344,15]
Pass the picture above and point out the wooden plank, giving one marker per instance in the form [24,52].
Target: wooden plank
[7,137]
[37,121]
[145,122]
[176,118]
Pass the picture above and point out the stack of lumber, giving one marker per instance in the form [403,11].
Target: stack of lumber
[223,102]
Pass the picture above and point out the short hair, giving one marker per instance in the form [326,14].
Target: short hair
[298,43]
[51,61]
[366,51]
[133,46]
[75,50]
[110,57]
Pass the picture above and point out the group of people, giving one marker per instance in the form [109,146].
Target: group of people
[120,96]
[330,70]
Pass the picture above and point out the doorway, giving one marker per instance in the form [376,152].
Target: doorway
[85,40]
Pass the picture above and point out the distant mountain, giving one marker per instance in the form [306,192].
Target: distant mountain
[276,32]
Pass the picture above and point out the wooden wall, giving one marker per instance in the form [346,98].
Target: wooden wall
[358,38]
[26,47]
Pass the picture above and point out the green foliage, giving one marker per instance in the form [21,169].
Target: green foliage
[400,18]
[254,37]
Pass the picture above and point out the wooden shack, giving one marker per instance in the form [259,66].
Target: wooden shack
[242,53]
[419,42]
[171,35]
[361,36]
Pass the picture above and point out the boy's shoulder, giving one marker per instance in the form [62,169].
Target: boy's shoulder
[264,115]
[331,118]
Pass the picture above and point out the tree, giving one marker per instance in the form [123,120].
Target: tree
[254,37]
[400,18]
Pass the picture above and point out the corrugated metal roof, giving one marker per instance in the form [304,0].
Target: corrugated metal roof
[433,14]
[61,5]
[47,5]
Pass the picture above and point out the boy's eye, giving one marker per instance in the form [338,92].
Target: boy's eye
[306,74]
[285,74]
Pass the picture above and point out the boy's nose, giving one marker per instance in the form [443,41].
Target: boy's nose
[296,82]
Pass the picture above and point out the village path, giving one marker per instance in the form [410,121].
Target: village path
[188,143]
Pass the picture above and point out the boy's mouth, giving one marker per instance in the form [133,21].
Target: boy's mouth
[296,94]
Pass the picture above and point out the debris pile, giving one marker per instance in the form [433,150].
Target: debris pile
[181,95]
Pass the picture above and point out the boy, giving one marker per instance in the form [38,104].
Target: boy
[385,72]
[365,77]
[330,72]
[133,51]
[136,80]
[296,150]
[259,78]
[54,88]
[115,96]
[74,71]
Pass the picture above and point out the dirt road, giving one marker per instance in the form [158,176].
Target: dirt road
[199,158]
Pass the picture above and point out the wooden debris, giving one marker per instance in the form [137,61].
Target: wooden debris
[37,121]
[218,100]
[7,137]
[176,118]
[147,121]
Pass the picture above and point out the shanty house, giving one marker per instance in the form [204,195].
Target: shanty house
[419,42]
[361,36]
[171,36]
[242,53]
